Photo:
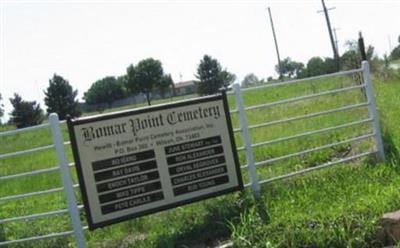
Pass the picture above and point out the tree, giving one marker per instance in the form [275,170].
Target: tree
[60,98]
[1,109]
[351,59]
[290,68]
[211,76]
[130,83]
[330,65]
[315,66]
[395,53]
[144,77]
[227,78]
[249,79]
[25,113]
[105,91]
[121,82]
[166,84]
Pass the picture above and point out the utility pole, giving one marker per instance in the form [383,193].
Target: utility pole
[361,46]
[328,23]
[276,44]
[336,39]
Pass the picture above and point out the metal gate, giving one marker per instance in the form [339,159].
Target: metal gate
[250,143]
[366,94]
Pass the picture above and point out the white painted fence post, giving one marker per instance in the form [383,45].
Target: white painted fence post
[373,113]
[247,141]
[67,180]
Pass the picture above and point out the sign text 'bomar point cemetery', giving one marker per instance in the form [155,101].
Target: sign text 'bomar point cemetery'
[143,161]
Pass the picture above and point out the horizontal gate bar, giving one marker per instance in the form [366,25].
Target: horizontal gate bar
[233,111]
[308,133]
[26,129]
[53,235]
[37,149]
[296,118]
[21,130]
[269,161]
[300,98]
[37,216]
[15,197]
[276,159]
[269,85]
[300,172]
[34,216]
[31,173]
[35,172]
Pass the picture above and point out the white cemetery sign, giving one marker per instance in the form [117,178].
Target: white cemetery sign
[138,162]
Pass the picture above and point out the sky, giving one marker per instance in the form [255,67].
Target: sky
[84,41]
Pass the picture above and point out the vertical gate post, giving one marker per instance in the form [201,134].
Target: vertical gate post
[247,141]
[67,180]
[373,113]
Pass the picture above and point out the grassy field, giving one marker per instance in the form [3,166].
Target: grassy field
[336,207]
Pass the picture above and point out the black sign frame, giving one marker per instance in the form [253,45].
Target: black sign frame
[73,122]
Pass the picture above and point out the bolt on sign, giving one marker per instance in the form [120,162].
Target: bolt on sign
[139,162]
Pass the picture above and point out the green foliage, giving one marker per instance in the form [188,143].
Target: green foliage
[25,113]
[105,90]
[227,78]
[60,98]
[211,76]
[330,65]
[319,66]
[1,109]
[144,77]
[351,59]
[395,53]
[249,80]
[315,66]
[130,83]
[290,68]
[336,207]
[166,84]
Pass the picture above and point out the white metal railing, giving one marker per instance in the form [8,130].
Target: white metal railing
[248,147]
[22,130]
[38,216]
[73,209]
[318,131]
[302,80]
[302,98]
[251,165]
[296,154]
[31,173]
[67,180]
[329,164]
[36,193]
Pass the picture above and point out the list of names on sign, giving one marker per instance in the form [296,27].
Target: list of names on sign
[196,165]
[133,176]
[143,161]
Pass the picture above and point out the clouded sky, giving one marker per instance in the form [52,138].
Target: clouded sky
[84,41]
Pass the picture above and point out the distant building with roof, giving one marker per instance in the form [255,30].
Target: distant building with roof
[185,88]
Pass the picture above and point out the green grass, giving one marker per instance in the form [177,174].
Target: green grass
[336,207]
